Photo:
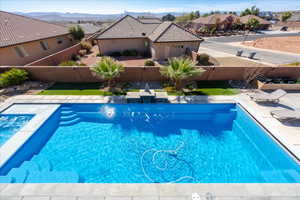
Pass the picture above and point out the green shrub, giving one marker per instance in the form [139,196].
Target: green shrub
[75,57]
[130,52]
[82,52]
[94,42]
[76,32]
[149,63]
[13,77]
[203,59]
[87,46]
[98,55]
[68,63]
[115,54]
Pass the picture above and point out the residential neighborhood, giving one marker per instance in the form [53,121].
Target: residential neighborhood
[160,100]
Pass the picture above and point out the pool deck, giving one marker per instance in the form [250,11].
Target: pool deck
[287,134]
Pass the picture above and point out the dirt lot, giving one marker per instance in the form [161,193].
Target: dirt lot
[287,44]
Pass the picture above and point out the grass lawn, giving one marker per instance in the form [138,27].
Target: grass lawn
[79,89]
[208,88]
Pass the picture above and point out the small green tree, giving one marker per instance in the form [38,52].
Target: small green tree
[76,32]
[250,11]
[168,17]
[253,24]
[108,69]
[180,69]
[285,16]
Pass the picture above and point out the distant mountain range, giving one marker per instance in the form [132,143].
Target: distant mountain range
[73,17]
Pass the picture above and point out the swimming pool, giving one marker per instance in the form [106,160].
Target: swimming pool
[10,124]
[151,143]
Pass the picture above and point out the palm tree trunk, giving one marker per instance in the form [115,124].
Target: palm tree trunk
[178,84]
[109,84]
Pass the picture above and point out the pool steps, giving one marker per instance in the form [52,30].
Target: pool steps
[68,117]
[38,170]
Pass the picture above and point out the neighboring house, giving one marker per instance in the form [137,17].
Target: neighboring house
[88,28]
[24,40]
[160,40]
[222,21]
[295,17]
[150,20]
[264,23]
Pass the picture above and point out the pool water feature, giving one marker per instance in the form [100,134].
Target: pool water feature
[151,143]
[10,124]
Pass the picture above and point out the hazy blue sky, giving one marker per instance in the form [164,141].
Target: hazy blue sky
[119,6]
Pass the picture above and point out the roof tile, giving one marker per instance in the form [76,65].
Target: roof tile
[16,29]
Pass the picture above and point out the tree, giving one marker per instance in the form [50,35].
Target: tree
[108,69]
[237,25]
[253,24]
[76,32]
[168,17]
[252,11]
[285,16]
[197,14]
[180,69]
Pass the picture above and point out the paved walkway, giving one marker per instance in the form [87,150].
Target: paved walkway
[262,55]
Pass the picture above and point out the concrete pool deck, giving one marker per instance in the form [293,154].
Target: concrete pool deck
[288,135]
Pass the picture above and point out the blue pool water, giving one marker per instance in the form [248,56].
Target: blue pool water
[10,124]
[138,143]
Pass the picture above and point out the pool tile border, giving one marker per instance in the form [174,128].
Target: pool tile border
[42,113]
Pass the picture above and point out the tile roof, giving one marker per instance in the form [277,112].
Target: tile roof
[130,27]
[150,20]
[246,18]
[88,28]
[127,27]
[16,29]
[170,32]
[213,19]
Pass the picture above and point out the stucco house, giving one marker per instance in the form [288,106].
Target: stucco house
[264,24]
[24,40]
[223,21]
[161,40]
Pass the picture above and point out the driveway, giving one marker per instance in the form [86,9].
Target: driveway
[240,38]
[262,55]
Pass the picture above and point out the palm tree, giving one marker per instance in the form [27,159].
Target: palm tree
[108,69]
[180,69]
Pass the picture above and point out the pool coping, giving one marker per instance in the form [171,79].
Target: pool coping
[17,140]
[157,190]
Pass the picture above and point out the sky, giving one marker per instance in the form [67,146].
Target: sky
[119,6]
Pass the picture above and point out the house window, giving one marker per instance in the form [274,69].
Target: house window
[60,40]
[179,46]
[146,43]
[21,51]
[44,45]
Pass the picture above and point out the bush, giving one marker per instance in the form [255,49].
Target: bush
[87,46]
[203,59]
[13,77]
[98,55]
[76,32]
[149,63]
[115,54]
[94,42]
[68,63]
[75,57]
[131,52]
[82,52]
